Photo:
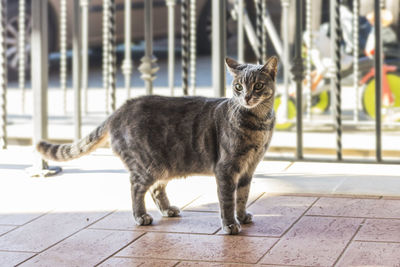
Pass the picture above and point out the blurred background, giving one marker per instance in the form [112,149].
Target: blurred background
[254,30]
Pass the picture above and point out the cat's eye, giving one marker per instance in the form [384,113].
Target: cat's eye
[258,86]
[238,87]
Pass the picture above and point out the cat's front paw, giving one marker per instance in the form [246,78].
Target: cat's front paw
[145,219]
[246,218]
[172,211]
[232,229]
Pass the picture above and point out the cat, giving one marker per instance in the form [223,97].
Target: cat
[159,138]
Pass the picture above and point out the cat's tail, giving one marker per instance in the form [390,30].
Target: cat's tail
[65,152]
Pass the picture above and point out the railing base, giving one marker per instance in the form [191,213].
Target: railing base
[46,172]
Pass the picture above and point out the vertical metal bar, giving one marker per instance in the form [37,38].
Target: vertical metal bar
[378,80]
[251,35]
[263,31]
[112,55]
[218,49]
[127,63]
[259,16]
[185,45]
[297,71]
[335,79]
[193,33]
[171,44]
[39,78]
[106,50]
[3,75]
[272,33]
[308,58]
[285,54]
[21,51]
[63,51]
[356,14]
[85,51]
[148,68]
[240,27]
[39,74]
[76,68]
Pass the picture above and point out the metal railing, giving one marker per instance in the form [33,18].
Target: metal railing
[257,33]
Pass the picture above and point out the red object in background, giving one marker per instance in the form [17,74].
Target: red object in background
[386,93]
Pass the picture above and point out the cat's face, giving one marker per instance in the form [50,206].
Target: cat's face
[253,84]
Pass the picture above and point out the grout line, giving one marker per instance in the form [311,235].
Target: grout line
[21,225]
[17,251]
[354,217]
[203,211]
[56,243]
[284,265]
[288,229]
[123,247]
[187,260]
[252,202]
[12,229]
[190,202]
[376,241]
[348,243]
[268,250]
[149,230]
[288,166]
[219,229]
[301,216]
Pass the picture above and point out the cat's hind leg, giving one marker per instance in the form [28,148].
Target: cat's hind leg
[159,196]
[139,187]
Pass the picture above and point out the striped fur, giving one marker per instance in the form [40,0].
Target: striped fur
[65,152]
[159,138]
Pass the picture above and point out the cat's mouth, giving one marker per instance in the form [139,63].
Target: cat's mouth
[249,104]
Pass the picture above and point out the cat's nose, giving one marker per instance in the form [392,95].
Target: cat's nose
[247,98]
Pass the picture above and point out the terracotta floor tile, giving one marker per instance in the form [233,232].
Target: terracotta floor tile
[273,215]
[355,207]
[209,202]
[380,230]
[211,264]
[371,254]
[313,241]
[131,262]
[46,230]
[18,218]
[188,222]
[235,249]
[8,258]
[85,248]
[5,228]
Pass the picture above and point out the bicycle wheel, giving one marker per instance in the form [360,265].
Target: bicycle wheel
[368,96]
[320,103]
[291,113]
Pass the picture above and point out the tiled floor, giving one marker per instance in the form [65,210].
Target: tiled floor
[287,231]
[82,218]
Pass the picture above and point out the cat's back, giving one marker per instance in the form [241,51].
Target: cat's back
[162,107]
[160,104]
[163,113]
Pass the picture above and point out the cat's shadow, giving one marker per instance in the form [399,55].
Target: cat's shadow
[80,171]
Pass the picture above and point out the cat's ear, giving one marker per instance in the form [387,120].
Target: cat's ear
[271,67]
[232,65]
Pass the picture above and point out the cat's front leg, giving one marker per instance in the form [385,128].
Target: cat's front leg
[242,195]
[226,194]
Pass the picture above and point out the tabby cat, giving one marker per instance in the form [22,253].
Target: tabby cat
[159,138]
